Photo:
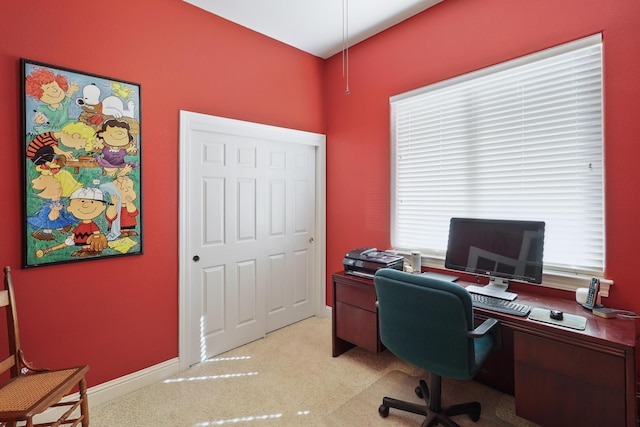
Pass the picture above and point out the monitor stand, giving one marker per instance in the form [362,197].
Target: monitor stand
[497,288]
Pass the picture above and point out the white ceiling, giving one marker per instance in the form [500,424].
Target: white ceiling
[316,26]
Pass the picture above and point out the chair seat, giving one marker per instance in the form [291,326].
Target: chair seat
[28,395]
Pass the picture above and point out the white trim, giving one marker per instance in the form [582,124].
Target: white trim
[118,387]
[321,226]
[553,280]
[104,392]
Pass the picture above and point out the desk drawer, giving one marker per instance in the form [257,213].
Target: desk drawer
[357,295]
[587,365]
[559,384]
[357,326]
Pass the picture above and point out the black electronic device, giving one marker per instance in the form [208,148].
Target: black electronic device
[497,304]
[592,296]
[556,314]
[503,250]
[366,261]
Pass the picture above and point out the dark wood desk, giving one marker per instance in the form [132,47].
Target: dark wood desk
[559,376]
[355,316]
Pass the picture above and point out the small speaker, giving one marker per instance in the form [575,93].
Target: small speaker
[416,262]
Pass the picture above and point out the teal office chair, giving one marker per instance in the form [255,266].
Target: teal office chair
[429,323]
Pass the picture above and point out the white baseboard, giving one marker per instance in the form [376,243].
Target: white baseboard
[110,390]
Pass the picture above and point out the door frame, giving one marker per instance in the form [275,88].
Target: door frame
[191,120]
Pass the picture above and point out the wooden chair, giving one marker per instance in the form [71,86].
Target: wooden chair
[30,391]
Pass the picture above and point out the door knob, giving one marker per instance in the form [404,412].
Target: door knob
[196,258]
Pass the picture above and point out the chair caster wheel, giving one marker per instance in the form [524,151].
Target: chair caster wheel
[474,414]
[422,391]
[383,411]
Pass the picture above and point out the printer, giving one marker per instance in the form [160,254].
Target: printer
[364,262]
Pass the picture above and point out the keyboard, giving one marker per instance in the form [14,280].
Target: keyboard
[491,291]
[497,304]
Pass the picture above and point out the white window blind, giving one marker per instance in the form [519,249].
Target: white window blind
[520,140]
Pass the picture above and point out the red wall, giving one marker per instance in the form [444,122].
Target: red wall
[457,37]
[120,315]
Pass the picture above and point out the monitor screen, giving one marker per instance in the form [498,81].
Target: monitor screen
[497,248]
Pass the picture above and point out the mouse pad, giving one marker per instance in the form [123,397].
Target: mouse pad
[568,321]
[440,276]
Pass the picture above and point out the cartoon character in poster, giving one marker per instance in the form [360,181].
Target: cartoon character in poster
[122,213]
[53,185]
[82,166]
[117,142]
[87,204]
[92,103]
[54,93]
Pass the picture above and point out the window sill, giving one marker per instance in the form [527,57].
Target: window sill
[550,279]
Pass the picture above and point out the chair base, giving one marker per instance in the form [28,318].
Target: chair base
[432,410]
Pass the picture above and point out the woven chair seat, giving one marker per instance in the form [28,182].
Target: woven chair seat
[24,392]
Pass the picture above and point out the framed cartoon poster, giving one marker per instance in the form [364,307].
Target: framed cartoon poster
[82,166]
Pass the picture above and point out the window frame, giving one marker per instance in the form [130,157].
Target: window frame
[562,278]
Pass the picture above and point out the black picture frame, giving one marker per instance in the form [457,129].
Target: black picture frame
[82,165]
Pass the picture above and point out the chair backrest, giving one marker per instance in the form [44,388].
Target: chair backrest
[7,303]
[425,321]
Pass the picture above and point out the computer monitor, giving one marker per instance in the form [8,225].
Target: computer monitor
[504,250]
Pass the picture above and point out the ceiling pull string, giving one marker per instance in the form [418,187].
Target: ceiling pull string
[345,44]
[343,38]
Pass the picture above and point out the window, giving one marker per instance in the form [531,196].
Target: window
[520,140]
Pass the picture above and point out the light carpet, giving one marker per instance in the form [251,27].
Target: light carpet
[497,408]
[290,378]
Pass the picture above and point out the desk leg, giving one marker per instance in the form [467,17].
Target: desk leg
[338,345]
